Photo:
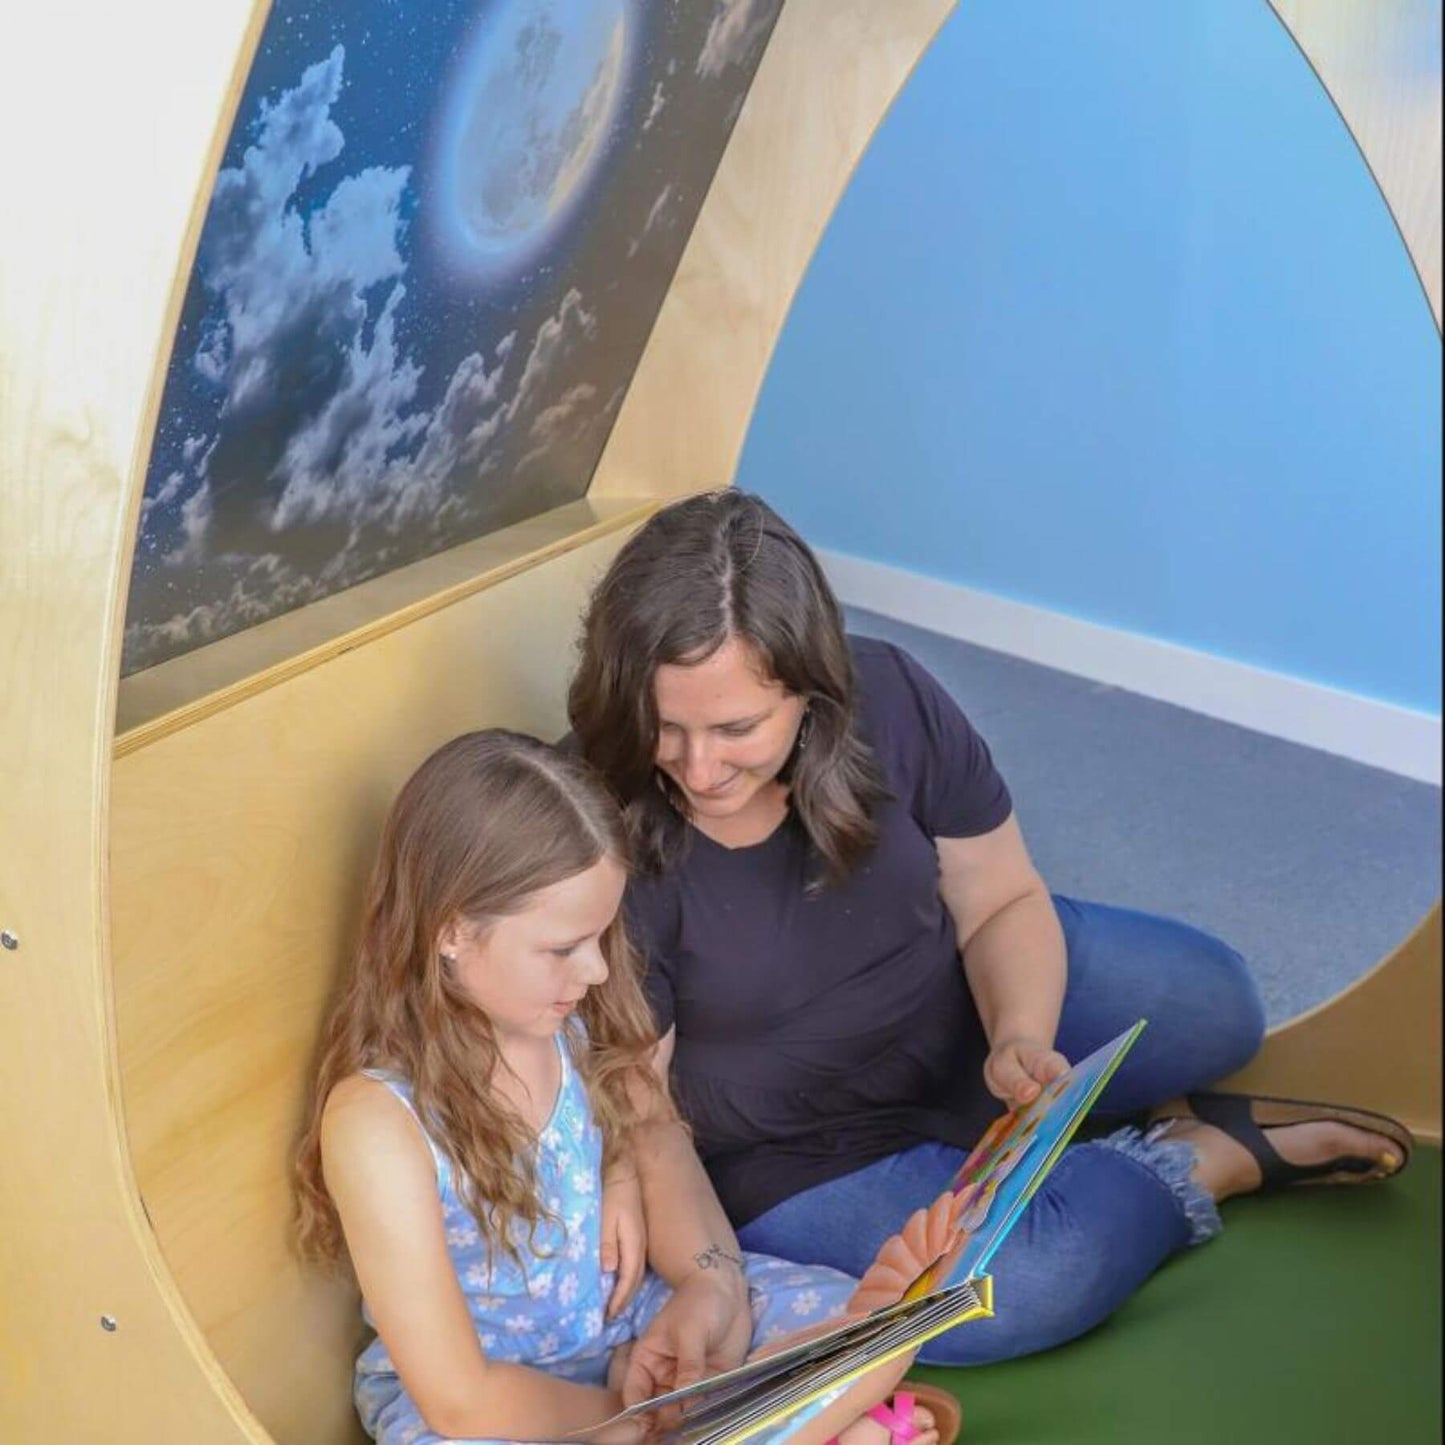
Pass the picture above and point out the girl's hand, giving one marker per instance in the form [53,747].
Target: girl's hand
[1018,1070]
[624,1234]
[625,1432]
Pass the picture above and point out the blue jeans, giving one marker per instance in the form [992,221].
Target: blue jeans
[1111,1211]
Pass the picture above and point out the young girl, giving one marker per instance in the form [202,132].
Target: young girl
[490,1058]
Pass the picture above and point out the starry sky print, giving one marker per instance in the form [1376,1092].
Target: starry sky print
[356,381]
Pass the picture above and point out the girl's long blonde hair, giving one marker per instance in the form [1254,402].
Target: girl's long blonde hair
[484,823]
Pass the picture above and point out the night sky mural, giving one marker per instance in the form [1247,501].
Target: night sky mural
[437,243]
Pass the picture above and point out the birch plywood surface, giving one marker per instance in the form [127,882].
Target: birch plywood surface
[239,848]
[1376,1044]
[99,212]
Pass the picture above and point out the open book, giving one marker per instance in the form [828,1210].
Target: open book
[968,1223]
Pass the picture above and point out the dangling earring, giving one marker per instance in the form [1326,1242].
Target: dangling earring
[805,729]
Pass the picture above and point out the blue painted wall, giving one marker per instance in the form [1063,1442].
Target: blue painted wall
[1113,320]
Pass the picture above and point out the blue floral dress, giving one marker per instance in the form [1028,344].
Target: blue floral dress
[548,1312]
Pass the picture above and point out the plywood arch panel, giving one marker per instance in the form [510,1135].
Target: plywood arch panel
[180,910]
[1380,65]
[1375,1044]
[255,824]
[100,211]
[179,913]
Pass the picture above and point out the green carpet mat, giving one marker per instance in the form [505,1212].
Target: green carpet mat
[1314,1317]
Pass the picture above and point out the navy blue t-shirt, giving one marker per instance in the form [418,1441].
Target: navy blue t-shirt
[819,1032]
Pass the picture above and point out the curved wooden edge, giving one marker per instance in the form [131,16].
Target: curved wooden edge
[1375,1045]
[1389,98]
[832,70]
[102,215]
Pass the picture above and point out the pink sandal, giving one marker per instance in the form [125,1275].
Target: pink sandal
[896,1415]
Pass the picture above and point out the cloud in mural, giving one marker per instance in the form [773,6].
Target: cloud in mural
[737,27]
[528,121]
[317,392]
[656,216]
[284,339]
[354,452]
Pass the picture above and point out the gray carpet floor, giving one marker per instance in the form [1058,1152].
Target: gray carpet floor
[1312,866]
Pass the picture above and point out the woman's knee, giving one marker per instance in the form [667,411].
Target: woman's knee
[1210,1021]
[1097,1229]
[1206,1017]
[1051,1275]
[1029,1320]
[1230,1010]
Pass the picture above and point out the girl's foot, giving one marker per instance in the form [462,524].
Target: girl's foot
[886,1424]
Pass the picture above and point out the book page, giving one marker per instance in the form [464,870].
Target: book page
[1009,1163]
[973,1216]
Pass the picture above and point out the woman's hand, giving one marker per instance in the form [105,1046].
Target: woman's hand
[624,1234]
[704,1328]
[1018,1070]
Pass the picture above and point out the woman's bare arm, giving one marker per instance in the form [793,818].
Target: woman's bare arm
[706,1326]
[1013,954]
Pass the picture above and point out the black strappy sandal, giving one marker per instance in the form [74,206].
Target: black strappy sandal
[1245,1117]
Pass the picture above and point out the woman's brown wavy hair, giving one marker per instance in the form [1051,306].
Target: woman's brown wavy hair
[480,827]
[710,567]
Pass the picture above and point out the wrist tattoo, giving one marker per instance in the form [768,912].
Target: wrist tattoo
[715,1256]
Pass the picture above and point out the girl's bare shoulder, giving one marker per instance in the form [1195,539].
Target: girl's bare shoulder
[362,1115]
[359,1093]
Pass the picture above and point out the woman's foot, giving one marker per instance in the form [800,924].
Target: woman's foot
[1225,1167]
[869,1431]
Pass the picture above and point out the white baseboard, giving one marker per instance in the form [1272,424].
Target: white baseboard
[1377,733]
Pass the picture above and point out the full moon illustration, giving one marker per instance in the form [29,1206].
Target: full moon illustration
[529,117]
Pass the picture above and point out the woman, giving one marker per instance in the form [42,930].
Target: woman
[856,966]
